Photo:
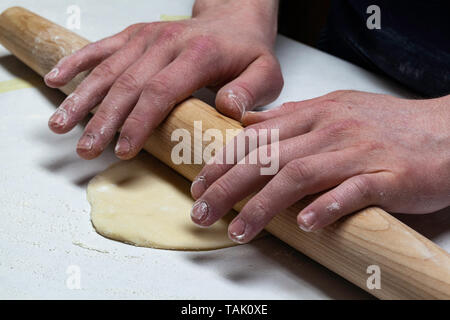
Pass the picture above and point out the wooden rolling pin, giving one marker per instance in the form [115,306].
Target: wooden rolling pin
[412,267]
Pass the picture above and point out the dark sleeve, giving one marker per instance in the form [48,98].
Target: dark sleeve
[412,46]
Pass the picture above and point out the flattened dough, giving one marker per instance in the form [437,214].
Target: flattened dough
[145,203]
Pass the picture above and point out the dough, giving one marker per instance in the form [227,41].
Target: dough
[145,203]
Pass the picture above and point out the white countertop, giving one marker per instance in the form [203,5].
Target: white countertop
[44,215]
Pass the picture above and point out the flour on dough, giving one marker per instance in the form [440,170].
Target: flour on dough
[145,203]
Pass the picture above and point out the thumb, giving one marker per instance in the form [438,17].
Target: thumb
[260,83]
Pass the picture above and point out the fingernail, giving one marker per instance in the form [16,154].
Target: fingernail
[237,230]
[198,186]
[260,111]
[123,147]
[238,103]
[52,74]
[86,142]
[59,118]
[307,221]
[199,211]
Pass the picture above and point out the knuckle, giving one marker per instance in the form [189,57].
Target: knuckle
[127,82]
[298,171]
[362,186]
[137,129]
[259,209]
[289,106]
[270,69]
[73,60]
[340,93]
[267,61]
[203,45]
[221,189]
[343,127]
[213,171]
[101,117]
[131,27]
[171,31]
[144,30]
[104,46]
[269,64]
[112,114]
[158,87]
[136,26]
[103,70]
[160,93]
[329,104]
[136,119]
[320,111]
[210,171]
[93,46]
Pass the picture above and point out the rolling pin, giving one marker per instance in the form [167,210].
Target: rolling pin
[410,265]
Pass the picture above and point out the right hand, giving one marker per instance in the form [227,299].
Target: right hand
[139,74]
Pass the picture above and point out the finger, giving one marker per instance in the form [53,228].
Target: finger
[351,195]
[280,128]
[220,197]
[299,178]
[247,176]
[259,84]
[234,151]
[191,70]
[94,88]
[252,117]
[87,57]
[121,99]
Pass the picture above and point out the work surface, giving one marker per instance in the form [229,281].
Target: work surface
[45,231]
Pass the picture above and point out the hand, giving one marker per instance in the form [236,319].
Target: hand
[365,149]
[139,74]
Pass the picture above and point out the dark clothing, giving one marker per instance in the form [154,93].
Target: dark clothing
[412,46]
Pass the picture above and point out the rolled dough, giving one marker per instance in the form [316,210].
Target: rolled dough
[145,203]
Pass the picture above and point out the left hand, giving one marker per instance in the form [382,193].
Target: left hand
[365,149]
[138,75]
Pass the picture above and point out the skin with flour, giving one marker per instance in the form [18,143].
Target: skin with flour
[366,149]
[145,203]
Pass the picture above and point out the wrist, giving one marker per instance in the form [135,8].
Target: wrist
[441,107]
[261,15]
[266,7]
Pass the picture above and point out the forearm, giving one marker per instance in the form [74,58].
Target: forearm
[263,11]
